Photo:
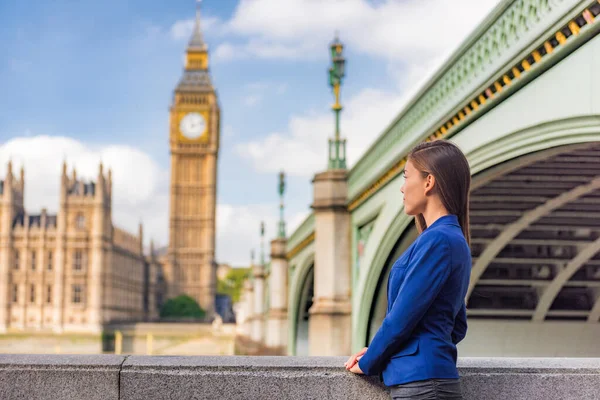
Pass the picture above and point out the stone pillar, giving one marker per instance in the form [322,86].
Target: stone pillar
[277,334]
[258,311]
[245,312]
[98,256]
[329,330]
[60,290]
[6,248]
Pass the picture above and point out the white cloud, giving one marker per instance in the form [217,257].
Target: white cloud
[392,29]
[140,191]
[140,186]
[302,149]
[256,91]
[182,29]
[266,49]
[225,52]
[413,37]
[252,100]
[238,230]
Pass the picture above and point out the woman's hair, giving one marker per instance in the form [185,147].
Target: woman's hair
[447,163]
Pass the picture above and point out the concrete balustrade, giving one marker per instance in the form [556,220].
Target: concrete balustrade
[109,377]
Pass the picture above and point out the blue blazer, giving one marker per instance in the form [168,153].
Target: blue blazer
[426,315]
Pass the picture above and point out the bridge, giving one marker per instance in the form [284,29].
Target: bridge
[521,98]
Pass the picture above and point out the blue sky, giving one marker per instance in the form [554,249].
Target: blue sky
[87,81]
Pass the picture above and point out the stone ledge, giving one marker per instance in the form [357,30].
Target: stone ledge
[244,377]
[66,377]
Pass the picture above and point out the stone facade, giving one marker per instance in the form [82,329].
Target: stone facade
[73,271]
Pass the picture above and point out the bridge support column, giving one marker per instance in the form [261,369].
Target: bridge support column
[278,286]
[246,310]
[329,326]
[258,329]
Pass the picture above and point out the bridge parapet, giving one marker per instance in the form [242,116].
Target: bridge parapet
[161,377]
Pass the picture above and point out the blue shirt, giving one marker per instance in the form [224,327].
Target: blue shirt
[426,315]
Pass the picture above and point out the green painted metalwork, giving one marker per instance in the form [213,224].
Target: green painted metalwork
[361,238]
[506,35]
[540,137]
[281,231]
[305,262]
[511,32]
[337,146]
[306,228]
[262,243]
[428,108]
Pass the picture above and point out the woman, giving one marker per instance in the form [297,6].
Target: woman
[415,347]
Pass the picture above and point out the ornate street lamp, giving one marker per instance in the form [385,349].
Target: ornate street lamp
[281,232]
[337,146]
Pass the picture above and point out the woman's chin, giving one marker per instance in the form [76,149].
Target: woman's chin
[409,211]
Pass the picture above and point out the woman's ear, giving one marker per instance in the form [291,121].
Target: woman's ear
[429,184]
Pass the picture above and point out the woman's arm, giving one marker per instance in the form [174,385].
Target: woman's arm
[427,271]
[460,325]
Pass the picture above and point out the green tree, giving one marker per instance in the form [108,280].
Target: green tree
[182,306]
[233,282]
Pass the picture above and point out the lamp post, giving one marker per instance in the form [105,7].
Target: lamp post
[262,243]
[281,232]
[337,146]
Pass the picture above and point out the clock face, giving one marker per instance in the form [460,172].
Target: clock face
[192,125]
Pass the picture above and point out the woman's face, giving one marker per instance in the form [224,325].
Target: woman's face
[414,189]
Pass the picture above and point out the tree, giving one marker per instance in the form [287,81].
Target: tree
[233,282]
[182,306]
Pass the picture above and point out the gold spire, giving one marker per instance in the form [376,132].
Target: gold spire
[197,51]
[197,40]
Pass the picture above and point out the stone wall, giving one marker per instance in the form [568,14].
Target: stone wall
[111,377]
[496,338]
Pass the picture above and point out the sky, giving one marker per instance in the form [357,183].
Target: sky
[89,82]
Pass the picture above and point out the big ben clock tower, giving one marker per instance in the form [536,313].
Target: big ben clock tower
[194,146]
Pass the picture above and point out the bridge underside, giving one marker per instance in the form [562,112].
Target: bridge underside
[535,226]
[535,239]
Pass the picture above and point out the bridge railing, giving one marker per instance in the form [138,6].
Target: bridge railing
[109,377]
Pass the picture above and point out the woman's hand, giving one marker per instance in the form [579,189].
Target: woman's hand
[356,369]
[350,364]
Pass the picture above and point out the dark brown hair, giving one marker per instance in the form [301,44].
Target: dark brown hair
[447,163]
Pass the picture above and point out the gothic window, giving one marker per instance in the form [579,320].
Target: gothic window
[15,293]
[77,298]
[80,221]
[50,260]
[16,265]
[32,293]
[49,294]
[33,260]
[78,260]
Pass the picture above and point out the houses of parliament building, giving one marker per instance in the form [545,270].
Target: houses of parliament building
[75,271]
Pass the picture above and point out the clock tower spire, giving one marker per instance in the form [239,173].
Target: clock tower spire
[197,51]
[194,147]
[197,40]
